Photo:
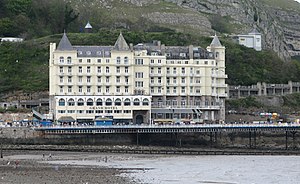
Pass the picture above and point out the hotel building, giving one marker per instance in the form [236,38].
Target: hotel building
[143,83]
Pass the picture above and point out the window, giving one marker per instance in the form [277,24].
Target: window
[126,89]
[159,80]
[99,60]
[61,69]
[145,102]
[88,89]
[139,74]
[88,60]
[126,80]
[182,89]
[126,60]
[61,79]
[168,70]
[174,90]
[127,102]
[118,69]
[152,80]
[61,89]
[99,69]
[61,102]
[174,70]
[152,61]
[80,79]
[107,89]
[151,70]
[159,61]
[118,89]
[90,102]
[107,60]
[182,80]
[80,69]
[139,61]
[136,102]
[107,69]
[71,102]
[126,69]
[108,102]
[69,69]
[183,70]
[99,79]
[159,70]
[139,84]
[88,79]
[159,90]
[80,102]
[152,90]
[80,89]
[61,60]
[127,111]
[118,102]
[99,102]
[118,79]
[107,80]
[80,61]
[168,80]
[118,60]
[99,89]
[174,80]
[69,79]
[69,60]
[88,69]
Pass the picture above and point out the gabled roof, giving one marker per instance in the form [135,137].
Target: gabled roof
[254,31]
[216,42]
[64,43]
[121,43]
[88,26]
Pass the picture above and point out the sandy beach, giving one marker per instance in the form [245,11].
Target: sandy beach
[37,167]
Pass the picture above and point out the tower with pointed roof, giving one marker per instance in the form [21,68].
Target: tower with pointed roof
[88,27]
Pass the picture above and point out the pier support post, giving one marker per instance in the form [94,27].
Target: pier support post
[286,140]
[254,134]
[250,143]
[294,138]
[137,138]
[211,139]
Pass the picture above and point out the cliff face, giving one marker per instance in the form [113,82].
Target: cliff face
[278,22]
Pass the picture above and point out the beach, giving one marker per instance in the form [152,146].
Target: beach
[31,167]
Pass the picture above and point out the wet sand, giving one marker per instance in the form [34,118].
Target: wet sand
[31,167]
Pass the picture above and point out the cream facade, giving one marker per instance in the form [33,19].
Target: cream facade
[145,83]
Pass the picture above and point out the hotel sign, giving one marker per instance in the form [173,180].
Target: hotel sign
[103,108]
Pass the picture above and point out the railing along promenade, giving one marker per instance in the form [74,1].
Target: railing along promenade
[127,129]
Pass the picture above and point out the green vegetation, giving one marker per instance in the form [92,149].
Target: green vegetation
[292,100]
[243,103]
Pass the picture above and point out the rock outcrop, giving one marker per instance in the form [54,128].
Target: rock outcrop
[280,26]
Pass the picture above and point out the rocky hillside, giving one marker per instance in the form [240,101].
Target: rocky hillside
[277,20]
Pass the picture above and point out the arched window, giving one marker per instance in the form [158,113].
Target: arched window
[146,102]
[217,54]
[90,102]
[99,102]
[61,102]
[108,102]
[125,60]
[136,102]
[80,102]
[118,102]
[61,59]
[69,60]
[127,102]
[71,102]
[118,60]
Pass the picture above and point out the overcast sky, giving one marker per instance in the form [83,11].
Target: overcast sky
[298,0]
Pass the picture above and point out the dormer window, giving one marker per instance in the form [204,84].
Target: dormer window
[88,53]
[79,52]
[99,53]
